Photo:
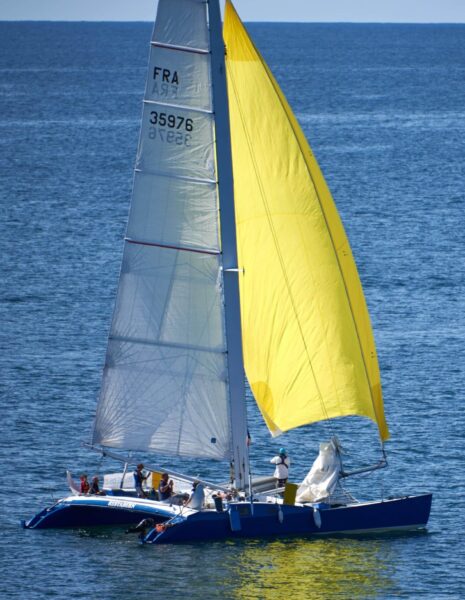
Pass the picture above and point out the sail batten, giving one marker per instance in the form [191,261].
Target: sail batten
[309,350]
[168,105]
[144,342]
[180,48]
[151,171]
[180,248]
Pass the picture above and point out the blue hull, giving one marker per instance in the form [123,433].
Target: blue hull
[97,511]
[268,519]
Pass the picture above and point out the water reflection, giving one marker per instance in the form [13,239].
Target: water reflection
[319,568]
[299,569]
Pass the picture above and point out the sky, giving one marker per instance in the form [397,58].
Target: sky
[391,11]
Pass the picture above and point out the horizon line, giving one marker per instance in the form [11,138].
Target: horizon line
[264,22]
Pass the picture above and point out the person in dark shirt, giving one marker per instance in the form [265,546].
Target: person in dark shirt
[165,488]
[139,478]
[95,488]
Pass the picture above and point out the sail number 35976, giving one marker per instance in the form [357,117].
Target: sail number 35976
[179,124]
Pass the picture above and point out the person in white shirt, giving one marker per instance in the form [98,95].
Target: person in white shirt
[197,497]
[282,462]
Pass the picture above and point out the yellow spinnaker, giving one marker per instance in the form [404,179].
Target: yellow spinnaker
[309,350]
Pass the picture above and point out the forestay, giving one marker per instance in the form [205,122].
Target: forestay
[165,378]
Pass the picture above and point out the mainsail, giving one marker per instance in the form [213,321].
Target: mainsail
[309,351]
[166,378]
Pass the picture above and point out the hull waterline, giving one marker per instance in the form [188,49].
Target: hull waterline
[97,511]
[271,520]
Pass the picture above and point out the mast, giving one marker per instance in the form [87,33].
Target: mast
[229,250]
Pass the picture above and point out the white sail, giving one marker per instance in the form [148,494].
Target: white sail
[182,23]
[165,378]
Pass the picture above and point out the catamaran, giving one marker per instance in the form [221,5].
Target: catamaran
[235,261]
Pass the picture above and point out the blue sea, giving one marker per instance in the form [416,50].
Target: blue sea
[383,107]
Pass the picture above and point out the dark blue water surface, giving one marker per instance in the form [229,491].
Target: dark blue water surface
[384,109]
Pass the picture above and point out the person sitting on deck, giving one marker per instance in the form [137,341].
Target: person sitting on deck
[84,484]
[95,488]
[139,478]
[282,463]
[165,488]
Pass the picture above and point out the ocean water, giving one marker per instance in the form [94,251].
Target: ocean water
[383,107]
